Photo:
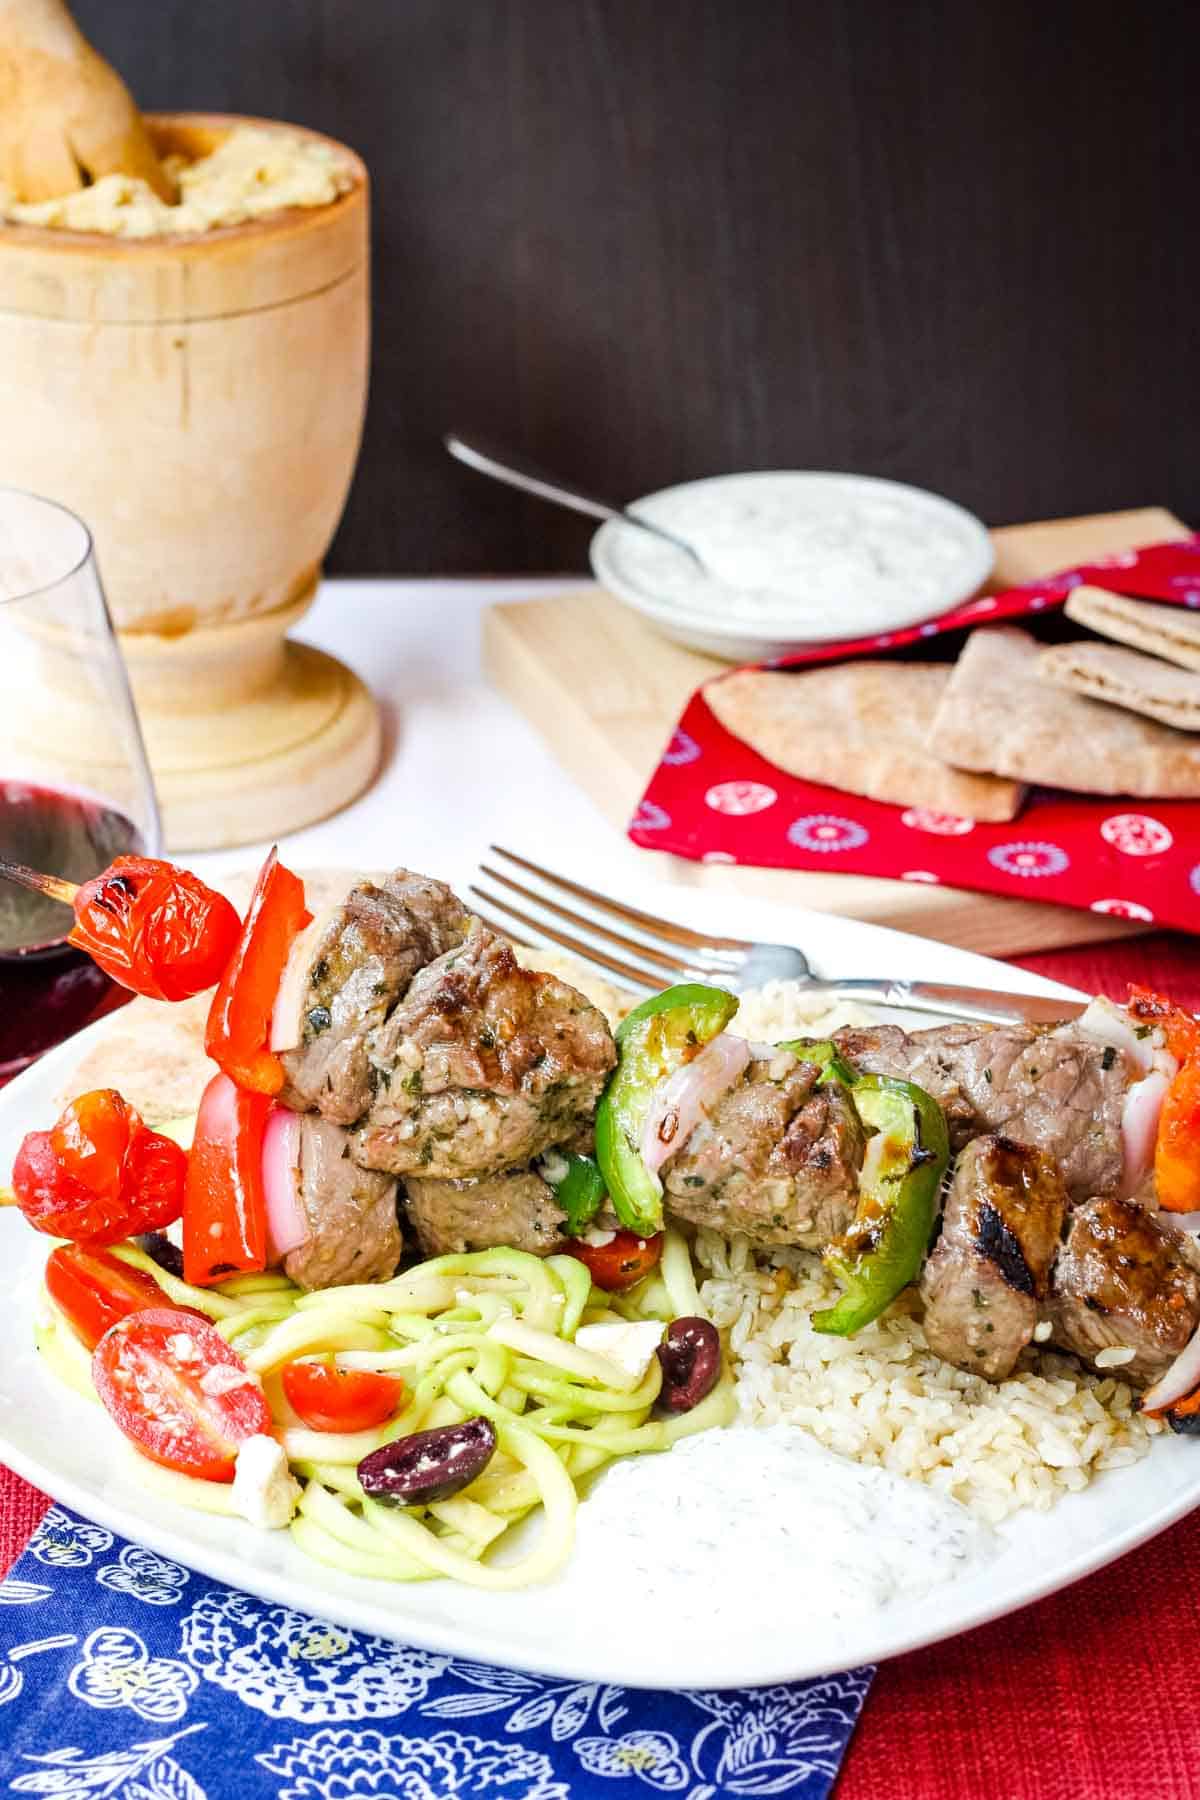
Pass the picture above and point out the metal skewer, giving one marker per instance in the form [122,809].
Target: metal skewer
[51,885]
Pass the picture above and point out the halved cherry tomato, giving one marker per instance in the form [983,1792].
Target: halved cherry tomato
[331,1399]
[172,1384]
[93,1290]
[224,1206]
[239,1019]
[155,928]
[100,1174]
[620,1263]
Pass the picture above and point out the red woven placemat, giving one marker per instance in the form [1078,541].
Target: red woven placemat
[1089,1693]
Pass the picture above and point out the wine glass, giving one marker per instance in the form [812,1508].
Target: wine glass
[75,785]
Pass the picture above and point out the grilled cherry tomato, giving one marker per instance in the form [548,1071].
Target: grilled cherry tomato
[331,1399]
[100,1174]
[620,1263]
[224,1204]
[179,1391]
[93,1290]
[239,1020]
[154,928]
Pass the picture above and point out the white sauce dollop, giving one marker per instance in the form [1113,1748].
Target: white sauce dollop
[795,552]
[758,1523]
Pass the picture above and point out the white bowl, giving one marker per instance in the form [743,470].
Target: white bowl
[935,555]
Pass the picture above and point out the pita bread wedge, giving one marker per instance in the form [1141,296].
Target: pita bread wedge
[996,714]
[1141,684]
[1168,631]
[860,727]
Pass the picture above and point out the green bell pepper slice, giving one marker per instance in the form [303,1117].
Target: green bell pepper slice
[656,1038]
[578,1187]
[826,1055]
[899,1184]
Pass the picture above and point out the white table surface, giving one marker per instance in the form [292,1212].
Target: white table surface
[461,768]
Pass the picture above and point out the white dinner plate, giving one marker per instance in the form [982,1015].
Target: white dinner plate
[569,1628]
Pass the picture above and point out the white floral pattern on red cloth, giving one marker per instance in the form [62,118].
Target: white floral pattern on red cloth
[1124,909]
[738,799]
[827,834]
[1070,848]
[1030,860]
[941,824]
[1136,834]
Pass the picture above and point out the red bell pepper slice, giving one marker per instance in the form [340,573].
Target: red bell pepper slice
[224,1206]
[239,1020]
[93,1290]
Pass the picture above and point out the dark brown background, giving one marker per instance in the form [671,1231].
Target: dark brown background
[651,239]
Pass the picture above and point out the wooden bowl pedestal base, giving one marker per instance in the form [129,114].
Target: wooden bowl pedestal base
[249,734]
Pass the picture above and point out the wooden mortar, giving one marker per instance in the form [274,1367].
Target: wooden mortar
[198,401]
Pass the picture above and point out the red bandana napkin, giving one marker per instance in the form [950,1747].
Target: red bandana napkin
[714,799]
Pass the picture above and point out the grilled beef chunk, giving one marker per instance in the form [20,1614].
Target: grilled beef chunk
[777,1157]
[517,1208]
[991,1267]
[351,1213]
[363,963]
[482,1066]
[1050,1088]
[1124,1278]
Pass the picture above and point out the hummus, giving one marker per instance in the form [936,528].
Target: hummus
[254,172]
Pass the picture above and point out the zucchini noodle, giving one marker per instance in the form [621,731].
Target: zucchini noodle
[486,1333]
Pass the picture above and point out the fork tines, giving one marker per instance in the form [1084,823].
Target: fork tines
[649,953]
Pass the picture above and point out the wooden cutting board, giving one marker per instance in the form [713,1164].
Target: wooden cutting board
[604,690]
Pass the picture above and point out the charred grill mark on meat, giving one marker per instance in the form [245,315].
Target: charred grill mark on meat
[1000,1246]
[992,1262]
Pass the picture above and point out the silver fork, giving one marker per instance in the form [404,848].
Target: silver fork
[647,953]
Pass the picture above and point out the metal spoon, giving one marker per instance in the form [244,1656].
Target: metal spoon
[501,465]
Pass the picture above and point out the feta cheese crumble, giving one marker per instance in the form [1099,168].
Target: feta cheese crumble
[264,1489]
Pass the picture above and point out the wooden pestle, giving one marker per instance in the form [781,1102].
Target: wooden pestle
[66,117]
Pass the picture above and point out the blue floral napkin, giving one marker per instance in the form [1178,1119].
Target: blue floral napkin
[126,1677]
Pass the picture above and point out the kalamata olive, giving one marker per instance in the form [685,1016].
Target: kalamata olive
[429,1465]
[690,1355]
[1187,1424]
[159,1248]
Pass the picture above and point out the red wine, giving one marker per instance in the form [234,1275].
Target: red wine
[47,988]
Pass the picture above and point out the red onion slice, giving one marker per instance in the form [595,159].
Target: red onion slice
[287,1221]
[1139,1128]
[1181,1379]
[681,1099]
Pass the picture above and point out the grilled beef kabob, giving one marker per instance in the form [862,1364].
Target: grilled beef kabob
[402,1039]
[460,1071]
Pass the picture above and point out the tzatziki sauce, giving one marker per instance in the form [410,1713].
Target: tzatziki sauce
[734,1529]
[808,555]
